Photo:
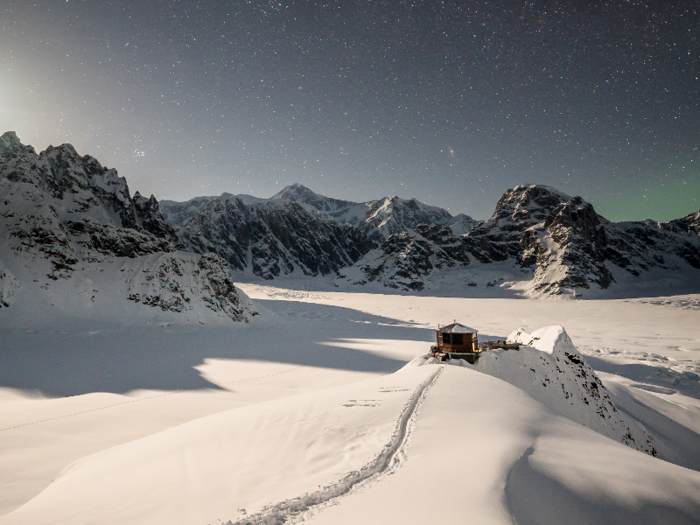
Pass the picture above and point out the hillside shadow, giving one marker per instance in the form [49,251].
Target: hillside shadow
[534,498]
[127,359]
[665,378]
[674,442]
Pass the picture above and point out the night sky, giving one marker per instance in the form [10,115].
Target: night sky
[448,102]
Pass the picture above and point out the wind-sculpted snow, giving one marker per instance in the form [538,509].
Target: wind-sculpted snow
[551,370]
[66,217]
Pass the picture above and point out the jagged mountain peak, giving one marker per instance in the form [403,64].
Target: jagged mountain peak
[378,218]
[529,202]
[311,200]
[10,144]
[65,219]
[688,225]
[295,190]
[63,150]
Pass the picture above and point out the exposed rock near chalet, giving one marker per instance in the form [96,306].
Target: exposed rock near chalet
[551,370]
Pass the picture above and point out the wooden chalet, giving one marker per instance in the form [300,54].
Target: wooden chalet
[456,338]
[456,341]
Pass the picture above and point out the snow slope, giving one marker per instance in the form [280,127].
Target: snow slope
[475,434]
[551,370]
[484,453]
[185,426]
[230,464]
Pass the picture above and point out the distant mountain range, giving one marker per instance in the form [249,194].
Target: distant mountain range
[544,242]
[65,217]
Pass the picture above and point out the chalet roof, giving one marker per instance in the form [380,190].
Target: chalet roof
[456,328]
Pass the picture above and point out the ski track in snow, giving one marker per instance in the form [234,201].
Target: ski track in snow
[388,460]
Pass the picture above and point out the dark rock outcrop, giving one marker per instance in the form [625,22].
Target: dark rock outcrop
[561,241]
[405,259]
[270,238]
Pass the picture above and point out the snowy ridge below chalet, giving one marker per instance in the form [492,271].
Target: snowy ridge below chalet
[549,368]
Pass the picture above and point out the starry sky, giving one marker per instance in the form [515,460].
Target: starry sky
[451,102]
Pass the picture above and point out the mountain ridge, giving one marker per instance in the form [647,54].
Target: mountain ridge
[538,242]
[66,221]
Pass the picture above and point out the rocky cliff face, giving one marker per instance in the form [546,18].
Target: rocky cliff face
[300,231]
[688,225]
[556,242]
[268,238]
[65,216]
[406,259]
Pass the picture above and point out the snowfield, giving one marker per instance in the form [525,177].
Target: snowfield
[326,409]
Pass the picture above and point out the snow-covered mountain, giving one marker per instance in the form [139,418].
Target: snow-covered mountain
[297,231]
[405,260]
[539,241]
[378,218]
[268,238]
[550,242]
[688,225]
[66,221]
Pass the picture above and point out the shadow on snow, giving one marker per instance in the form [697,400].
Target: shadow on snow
[158,358]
